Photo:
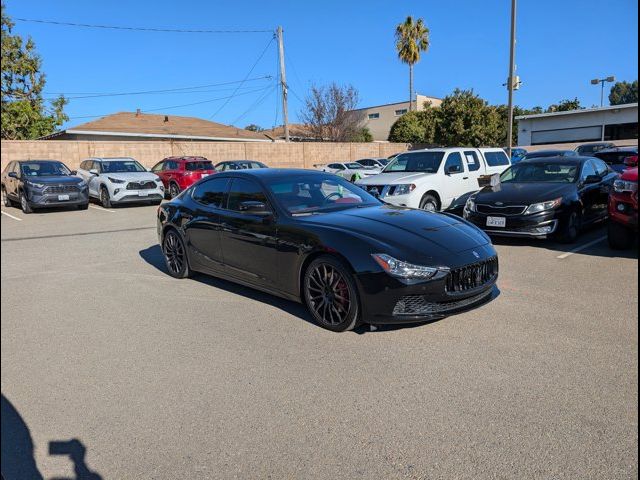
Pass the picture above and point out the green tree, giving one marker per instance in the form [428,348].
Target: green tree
[24,112]
[624,92]
[465,119]
[411,39]
[415,127]
[565,106]
[503,111]
[362,135]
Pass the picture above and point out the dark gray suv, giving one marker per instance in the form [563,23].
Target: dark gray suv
[34,184]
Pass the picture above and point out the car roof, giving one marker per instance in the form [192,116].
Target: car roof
[187,159]
[108,159]
[556,159]
[551,150]
[36,160]
[619,149]
[270,172]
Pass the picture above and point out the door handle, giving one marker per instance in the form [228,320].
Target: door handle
[465,178]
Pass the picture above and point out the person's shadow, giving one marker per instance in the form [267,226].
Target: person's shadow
[17,461]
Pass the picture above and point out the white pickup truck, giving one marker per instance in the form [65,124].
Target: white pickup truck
[435,179]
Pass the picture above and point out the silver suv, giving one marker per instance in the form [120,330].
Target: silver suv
[120,180]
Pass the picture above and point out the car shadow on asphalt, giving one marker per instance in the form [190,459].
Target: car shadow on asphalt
[17,461]
[153,256]
[589,234]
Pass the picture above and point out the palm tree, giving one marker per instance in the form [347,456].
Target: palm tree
[411,39]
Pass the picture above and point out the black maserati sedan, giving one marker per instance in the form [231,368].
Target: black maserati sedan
[313,237]
[544,197]
[32,184]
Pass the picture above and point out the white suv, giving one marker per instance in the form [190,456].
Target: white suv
[435,179]
[120,180]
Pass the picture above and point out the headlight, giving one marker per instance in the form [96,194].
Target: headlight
[470,206]
[115,180]
[398,268]
[624,186]
[403,189]
[543,206]
[35,184]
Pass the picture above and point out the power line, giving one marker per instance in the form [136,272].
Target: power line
[255,104]
[148,92]
[138,29]
[246,77]
[180,106]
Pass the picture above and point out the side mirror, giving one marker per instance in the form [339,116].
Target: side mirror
[255,208]
[631,161]
[73,172]
[592,179]
[13,174]
[93,171]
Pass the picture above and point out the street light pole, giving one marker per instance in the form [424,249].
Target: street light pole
[511,81]
[602,81]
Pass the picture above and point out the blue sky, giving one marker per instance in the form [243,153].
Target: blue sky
[562,44]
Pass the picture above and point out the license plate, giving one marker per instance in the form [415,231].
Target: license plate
[63,197]
[143,194]
[496,222]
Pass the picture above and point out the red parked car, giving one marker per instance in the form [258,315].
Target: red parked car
[623,210]
[178,173]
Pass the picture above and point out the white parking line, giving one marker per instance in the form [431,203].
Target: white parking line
[11,216]
[100,208]
[580,248]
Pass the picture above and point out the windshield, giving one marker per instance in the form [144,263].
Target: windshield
[310,194]
[427,162]
[383,161]
[551,153]
[540,172]
[203,165]
[353,166]
[43,169]
[121,166]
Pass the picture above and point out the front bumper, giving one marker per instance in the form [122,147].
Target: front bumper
[124,195]
[44,199]
[389,300]
[540,225]
[623,209]
[408,200]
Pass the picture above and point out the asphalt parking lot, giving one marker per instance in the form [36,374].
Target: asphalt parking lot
[202,379]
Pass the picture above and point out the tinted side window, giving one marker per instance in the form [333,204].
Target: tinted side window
[211,193]
[473,163]
[602,168]
[496,159]
[588,169]
[243,190]
[454,161]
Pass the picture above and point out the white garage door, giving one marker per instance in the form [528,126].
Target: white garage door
[581,134]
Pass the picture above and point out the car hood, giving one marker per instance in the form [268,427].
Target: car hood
[426,235]
[55,180]
[524,193]
[394,178]
[133,176]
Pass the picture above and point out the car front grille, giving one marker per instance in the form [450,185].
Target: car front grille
[420,305]
[472,276]
[61,189]
[507,211]
[150,185]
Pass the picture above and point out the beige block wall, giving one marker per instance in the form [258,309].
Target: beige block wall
[291,155]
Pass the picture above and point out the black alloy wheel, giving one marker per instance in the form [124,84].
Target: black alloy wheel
[331,295]
[175,255]
[174,190]
[429,203]
[572,229]
[105,201]
[24,203]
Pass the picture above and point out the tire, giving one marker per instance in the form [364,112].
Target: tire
[174,190]
[105,200]
[175,255]
[330,294]
[83,206]
[24,204]
[429,203]
[571,231]
[620,237]
[6,201]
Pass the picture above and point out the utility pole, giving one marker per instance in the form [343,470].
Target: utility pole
[511,82]
[283,83]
